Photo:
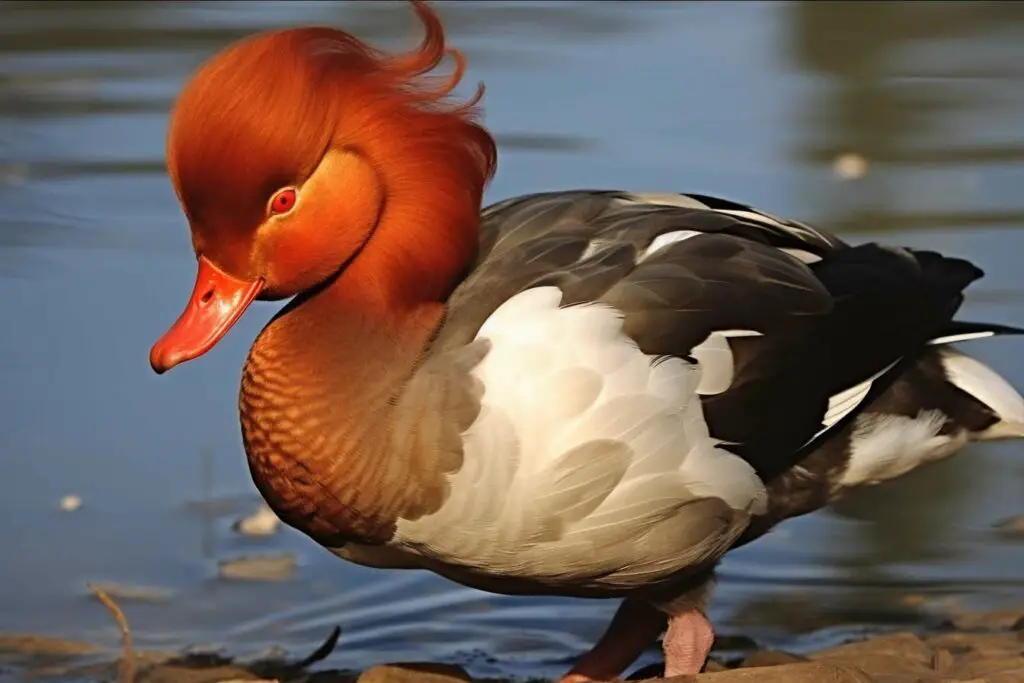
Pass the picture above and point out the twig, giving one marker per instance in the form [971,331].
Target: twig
[127,668]
[323,651]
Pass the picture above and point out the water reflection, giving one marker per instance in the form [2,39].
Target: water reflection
[749,100]
[906,86]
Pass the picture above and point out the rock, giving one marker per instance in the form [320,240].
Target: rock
[1004,677]
[771,658]
[975,645]
[942,660]
[126,592]
[414,672]
[729,641]
[263,522]
[983,668]
[270,567]
[70,503]
[803,672]
[906,645]
[850,166]
[1011,526]
[43,645]
[898,654]
[998,620]
[185,674]
[657,670]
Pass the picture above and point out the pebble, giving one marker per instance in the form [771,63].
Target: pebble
[263,522]
[1011,526]
[415,672]
[850,166]
[122,591]
[270,567]
[70,503]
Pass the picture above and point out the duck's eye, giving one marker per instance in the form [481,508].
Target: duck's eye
[283,201]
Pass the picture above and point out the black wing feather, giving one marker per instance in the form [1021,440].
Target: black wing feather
[825,327]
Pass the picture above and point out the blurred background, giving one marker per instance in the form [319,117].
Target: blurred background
[894,121]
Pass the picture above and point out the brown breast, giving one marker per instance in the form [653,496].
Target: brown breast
[349,428]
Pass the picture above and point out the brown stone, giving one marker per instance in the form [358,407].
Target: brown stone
[1003,677]
[414,672]
[906,647]
[43,645]
[714,665]
[803,672]
[979,668]
[1011,526]
[771,658]
[899,655]
[978,644]
[942,660]
[184,674]
[998,620]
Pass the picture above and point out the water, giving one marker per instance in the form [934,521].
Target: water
[753,101]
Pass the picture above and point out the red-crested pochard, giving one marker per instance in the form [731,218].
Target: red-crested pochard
[579,393]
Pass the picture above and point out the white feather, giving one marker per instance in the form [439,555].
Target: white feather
[796,229]
[665,239]
[966,336]
[984,384]
[717,366]
[583,443]
[666,199]
[884,446]
[802,255]
[842,404]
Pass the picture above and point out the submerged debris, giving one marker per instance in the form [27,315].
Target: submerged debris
[263,522]
[268,567]
[850,166]
[29,644]
[126,672]
[70,503]
[121,591]
[1011,526]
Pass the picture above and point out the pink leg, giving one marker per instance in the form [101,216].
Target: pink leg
[687,643]
[634,628]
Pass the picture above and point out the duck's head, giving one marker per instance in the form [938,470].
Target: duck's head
[304,154]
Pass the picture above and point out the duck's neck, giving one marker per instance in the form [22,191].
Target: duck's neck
[317,396]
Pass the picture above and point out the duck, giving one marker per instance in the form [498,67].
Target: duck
[579,393]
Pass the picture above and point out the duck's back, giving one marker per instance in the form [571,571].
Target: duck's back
[793,328]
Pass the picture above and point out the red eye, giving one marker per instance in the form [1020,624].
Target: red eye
[283,201]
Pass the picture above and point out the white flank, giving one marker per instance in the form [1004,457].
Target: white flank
[884,447]
[589,458]
[984,384]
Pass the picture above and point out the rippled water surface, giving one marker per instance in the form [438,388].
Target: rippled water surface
[775,104]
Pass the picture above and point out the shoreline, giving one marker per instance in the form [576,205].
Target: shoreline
[983,647]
